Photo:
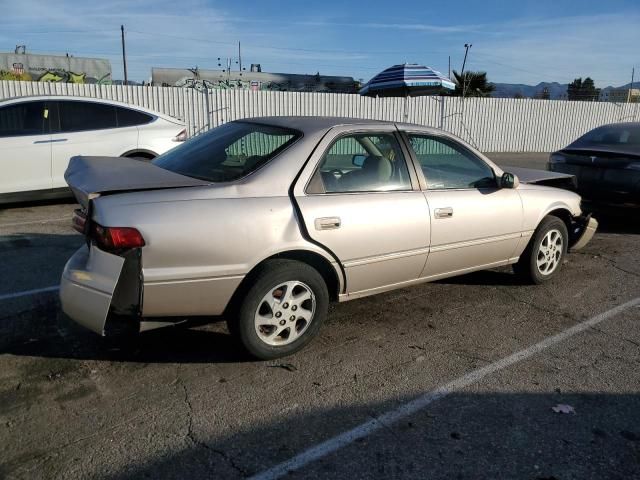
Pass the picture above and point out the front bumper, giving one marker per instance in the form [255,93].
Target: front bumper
[88,282]
[583,232]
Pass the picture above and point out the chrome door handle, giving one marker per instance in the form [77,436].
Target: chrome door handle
[446,212]
[327,223]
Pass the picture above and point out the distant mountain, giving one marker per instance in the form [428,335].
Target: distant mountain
[557,91]
[606,90]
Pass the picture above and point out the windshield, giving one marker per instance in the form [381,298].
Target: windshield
[610,135]
[228,152]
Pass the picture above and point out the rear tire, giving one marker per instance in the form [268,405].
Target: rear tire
[543,257]
[282,309]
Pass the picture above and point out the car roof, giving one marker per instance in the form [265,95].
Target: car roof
[29,98]
[621,125]
[309,124]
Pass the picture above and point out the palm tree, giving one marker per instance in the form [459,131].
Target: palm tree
[472,84]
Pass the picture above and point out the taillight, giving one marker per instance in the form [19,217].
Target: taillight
[181,137]
[79,221]
[116,238]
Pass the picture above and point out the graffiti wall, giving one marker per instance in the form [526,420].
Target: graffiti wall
[51,68]
[258,81]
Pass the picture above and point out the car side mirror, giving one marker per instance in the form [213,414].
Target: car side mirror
[358,160]
[509,180]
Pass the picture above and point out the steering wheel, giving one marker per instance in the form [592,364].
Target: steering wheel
[336,172]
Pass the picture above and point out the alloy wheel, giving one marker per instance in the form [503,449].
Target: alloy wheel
[285,313]
[549,252]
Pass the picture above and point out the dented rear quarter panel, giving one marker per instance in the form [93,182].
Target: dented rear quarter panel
[201,242]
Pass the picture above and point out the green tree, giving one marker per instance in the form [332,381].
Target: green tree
[474,84]
[583,90]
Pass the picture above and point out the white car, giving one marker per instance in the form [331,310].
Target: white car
[39,134]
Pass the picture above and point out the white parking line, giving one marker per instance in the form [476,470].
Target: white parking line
[35,222]
[24,293]
[344,439]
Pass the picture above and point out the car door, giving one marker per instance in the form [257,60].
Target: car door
[475,223]
[87,128]
[25,148]
[362,203]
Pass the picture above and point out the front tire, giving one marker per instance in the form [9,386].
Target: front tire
[282,310]
[543,257]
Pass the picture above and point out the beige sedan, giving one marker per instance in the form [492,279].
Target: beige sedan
[267,220]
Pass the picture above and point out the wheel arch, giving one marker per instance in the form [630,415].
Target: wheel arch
[329,273]
[140,152]
[564,214]
[558,210]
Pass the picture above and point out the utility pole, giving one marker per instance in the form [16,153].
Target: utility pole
[633,72]
[449,66]
[467,46]
[124,57]
[239,57]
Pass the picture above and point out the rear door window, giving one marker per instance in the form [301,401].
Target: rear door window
[362,162]
[127,117]
[25,118]
[78,116]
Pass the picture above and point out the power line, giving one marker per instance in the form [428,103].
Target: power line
[486,56]
[290,49]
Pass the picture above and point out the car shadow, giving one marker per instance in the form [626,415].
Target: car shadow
[464,435]
[503,276]
[44,331]
[622,219]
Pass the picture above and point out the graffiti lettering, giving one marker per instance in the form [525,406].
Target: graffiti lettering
[202,85]
[56,69]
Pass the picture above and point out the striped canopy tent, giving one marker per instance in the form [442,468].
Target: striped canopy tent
[407,80]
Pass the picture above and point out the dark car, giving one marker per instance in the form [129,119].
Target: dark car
[605,162]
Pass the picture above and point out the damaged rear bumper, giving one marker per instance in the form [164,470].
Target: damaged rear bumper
[582,233]
[103,292]
[87,286]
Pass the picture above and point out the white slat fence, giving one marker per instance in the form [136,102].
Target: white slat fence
[491,124]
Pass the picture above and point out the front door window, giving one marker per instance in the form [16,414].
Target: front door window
[447,165]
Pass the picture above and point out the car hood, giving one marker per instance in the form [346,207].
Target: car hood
[89,177]
[531,175]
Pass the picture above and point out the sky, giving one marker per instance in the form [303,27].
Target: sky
[516,41]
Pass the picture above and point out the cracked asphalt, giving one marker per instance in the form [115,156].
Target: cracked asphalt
[184,403]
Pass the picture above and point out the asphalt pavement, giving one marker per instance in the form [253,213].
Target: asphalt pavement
[453,379]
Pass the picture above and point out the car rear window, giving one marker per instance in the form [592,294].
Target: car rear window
[228,152]
[610,135]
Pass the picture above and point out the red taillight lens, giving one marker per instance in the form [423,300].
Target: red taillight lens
[181,137]
[116,238]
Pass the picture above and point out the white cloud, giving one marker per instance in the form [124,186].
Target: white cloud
[604,47]
[192,32]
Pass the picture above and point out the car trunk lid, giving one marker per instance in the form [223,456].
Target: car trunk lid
[90,177]
[599,158]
